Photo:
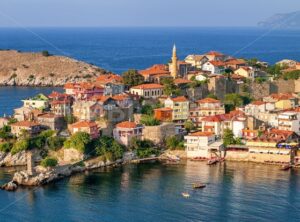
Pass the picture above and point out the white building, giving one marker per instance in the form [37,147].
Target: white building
[202,145]
[289,121]
[214,67]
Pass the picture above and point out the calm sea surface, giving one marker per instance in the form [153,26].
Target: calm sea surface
[152,192]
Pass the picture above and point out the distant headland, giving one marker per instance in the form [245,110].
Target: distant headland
[43,69]
[282,21]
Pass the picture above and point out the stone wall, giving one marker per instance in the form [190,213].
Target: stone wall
[158,134]
[222,86]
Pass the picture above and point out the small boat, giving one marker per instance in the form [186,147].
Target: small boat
[285,167]
[198,185]
[186,195]
[212,161]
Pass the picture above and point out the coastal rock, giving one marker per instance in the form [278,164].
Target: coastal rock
[36,69]
[10,186]
[18,159]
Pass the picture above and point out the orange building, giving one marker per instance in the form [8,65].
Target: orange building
[163,114]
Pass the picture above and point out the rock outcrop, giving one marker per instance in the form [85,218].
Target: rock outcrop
[18,159]
[36,69]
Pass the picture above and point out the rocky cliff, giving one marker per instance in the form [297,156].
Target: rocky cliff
[40,69]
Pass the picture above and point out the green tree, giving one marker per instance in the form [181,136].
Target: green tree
[55,143]
[228,137]
[132,78]
[170,88]
[20,146]
[174,143]
[5,147]
[189,126]
[45,53]
[211,95]
[109,148]
[80,141]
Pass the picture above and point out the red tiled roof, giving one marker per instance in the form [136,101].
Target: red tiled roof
[235,62]
[148,86]
[156,69]
[163,109]
[25,124]
[208,100]
[258,103]
[214,53]
[83,124]
[217,63]
[48,115]
[179,99]
[181,81]
[109,78]
[120,97]
[282,96]
[127,124]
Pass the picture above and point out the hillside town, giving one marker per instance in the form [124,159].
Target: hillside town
[202,106]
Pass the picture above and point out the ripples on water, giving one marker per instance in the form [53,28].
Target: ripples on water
[152,192]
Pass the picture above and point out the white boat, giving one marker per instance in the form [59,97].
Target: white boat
[185,194]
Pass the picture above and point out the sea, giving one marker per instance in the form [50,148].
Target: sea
[152,192]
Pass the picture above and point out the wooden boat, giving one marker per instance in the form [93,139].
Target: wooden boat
[186,195]
[285,167]
[212,161]
[198,185]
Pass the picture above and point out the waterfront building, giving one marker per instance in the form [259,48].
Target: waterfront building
[180,108]
[85,126]
[33,128]
[124,132]
[51,121]
[289,121]
[112,84]
[151,90]
[202,145]
[39,101]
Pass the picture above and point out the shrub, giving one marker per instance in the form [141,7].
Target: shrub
[45,53]
[80,141]
[20,146]
[49,162]
[109,148]
[5,147]
[56,142]
[174,143]
[148,120]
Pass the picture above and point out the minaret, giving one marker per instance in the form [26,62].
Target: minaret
[174,63]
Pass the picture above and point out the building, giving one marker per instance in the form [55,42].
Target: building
[85,126]
[216,56]
[51,121]
[173,68]
[61,106]
[202,145]
[112,84]
[151,90]
[40,101]
[87,110]
[123,100]
[155,73]
[124,132]
[83,90]
[180,107]
[26,113]
[33,128]
[3,122]
[214,67]
[196,60]
[206,107]
[289,121]
[163,114]
[247,72]
[282,100]
[235,64]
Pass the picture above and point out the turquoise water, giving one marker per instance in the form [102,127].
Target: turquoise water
[152,192]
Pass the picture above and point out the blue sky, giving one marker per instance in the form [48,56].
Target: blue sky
[140,12]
